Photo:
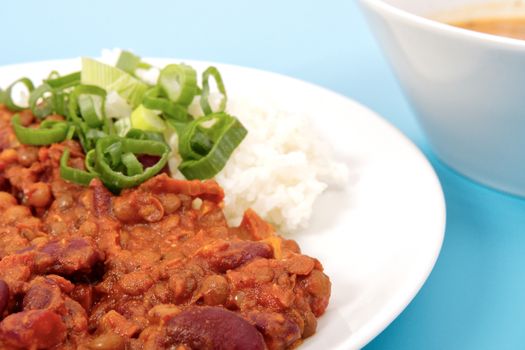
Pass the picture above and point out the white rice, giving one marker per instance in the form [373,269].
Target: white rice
[279,169]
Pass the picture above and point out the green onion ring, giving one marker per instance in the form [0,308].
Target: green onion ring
[117,179]
[74,175]
[9,94]
[63,82]
[153,100]
[91,116]
[138,134]
[205,103]
[223,136]
[40,104]
[178,82]
[48,133]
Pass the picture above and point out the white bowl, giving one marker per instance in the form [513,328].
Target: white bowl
[467,88]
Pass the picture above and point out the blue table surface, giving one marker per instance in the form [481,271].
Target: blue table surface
[475,297]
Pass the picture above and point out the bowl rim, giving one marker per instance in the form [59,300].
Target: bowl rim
[408,17]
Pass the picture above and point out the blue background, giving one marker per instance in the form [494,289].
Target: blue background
[474,298]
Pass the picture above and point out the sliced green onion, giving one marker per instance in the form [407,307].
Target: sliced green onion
[128,62]
[71,132]
[74,175]
[153,100]
[144,135]
[114,151]
[48,133]
[82,130]
[117,179]
[146,119]
[109,127]
[95,134]
[86,104]
[132,164]
[113,79]
[205,96]
[9,102]
[41,101]
[178,82]
[88,114]
[63,82]
[220,131]
[60,102]
[90,110]
[50,97]
[122,126]
[201,143]
[90,162]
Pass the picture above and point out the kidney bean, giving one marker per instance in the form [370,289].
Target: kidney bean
[68,256]
[79,253]
[4,297]
[43,294]
[212,328]
[33,329]
[223,256]
[147,160]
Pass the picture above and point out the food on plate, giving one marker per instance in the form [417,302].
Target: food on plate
[101,249]
[512,27]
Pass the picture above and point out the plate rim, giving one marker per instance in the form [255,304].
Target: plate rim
[381,320]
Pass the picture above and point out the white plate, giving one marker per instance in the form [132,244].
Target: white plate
[379,238]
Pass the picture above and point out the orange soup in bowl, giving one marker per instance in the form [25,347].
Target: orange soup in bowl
[509,27]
